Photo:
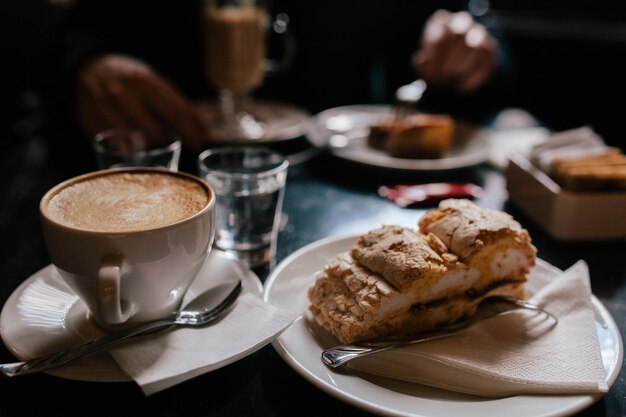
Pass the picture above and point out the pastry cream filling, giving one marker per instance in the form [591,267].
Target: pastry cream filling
[467,295]
[498,260]
[452,282]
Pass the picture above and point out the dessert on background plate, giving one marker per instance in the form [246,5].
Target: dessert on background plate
[396,280]
[417,136]
[344,132]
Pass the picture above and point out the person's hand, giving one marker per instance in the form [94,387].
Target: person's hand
[456,52]
[117,91]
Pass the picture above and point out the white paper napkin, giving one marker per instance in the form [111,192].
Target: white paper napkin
[513,130]
[503,143]
[157,363]
[513,354]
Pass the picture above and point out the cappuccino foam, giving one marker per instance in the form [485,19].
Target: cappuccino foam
[125,201]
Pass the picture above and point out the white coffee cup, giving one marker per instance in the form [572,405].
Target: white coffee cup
[129,241]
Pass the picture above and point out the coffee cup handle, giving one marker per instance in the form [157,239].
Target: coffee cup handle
[111,309]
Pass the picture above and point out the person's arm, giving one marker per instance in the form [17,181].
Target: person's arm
[456,52]
[116,90]
[466,66]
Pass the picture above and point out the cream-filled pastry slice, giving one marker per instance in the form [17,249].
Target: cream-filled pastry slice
[398,280]
[354,303]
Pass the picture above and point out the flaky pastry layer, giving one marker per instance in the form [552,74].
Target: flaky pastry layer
[400,280]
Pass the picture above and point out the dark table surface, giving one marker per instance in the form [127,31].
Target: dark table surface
[324,197]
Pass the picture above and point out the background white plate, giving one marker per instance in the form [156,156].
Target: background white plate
[44,315]
[344,131]
[286,288]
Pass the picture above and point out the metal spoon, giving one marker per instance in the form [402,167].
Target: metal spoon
[209,306]
[407,96]
[489,307]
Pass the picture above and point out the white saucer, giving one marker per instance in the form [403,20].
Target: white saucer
[44,315]
[300,348]
[282,121]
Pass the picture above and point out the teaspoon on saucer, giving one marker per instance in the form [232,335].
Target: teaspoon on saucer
[489,307]
[207,307]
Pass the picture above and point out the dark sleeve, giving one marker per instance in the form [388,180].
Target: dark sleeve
[90,28]
[81,35]
[164,33]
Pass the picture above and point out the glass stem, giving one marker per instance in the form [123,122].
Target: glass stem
[231,104]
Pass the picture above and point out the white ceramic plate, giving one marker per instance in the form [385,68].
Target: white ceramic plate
[286,288]
[344,131]
[44,315]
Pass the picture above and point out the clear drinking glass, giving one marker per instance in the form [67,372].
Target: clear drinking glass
[236,45]
[249,184]
[125,147]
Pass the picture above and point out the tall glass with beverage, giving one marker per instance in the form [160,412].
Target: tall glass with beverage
[235,46]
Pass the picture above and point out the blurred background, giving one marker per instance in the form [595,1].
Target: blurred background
[26,28]
[567,58]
